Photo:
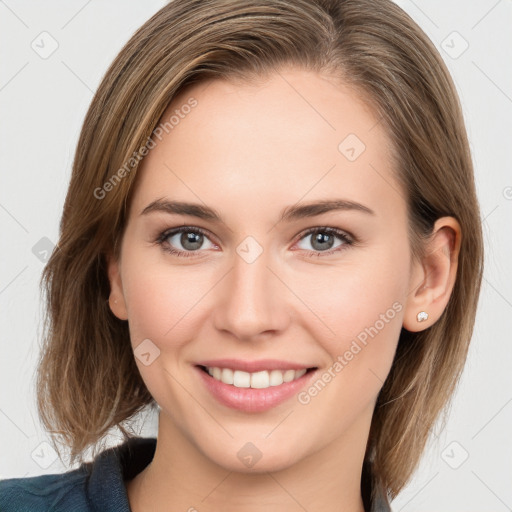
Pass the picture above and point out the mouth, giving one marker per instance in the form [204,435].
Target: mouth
[254,391]
[256,380]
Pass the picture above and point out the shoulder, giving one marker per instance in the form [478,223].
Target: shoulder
[56,492]
[96,485]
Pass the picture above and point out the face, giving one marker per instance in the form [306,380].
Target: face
[261,280]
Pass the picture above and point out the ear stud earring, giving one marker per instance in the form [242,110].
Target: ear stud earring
[422,316]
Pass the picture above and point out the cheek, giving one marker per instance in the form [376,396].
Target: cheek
[361,306]
[160,300]
[360,292]
[163,305]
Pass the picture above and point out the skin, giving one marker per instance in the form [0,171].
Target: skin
[248,151]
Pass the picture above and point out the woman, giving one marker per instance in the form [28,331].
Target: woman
[272,235]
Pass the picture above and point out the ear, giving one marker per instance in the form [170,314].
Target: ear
[433,278]
[116,299]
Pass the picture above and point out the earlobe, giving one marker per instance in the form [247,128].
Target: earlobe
[116,299]
[433,278]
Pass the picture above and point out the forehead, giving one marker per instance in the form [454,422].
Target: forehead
[293,135]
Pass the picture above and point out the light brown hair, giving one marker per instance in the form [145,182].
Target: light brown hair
[87,380]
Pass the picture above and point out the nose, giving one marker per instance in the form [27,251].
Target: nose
[252,300]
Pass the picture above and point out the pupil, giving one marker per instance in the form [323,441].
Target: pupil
[322,239]
[191,241]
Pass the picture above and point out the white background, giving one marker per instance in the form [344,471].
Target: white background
[43,102]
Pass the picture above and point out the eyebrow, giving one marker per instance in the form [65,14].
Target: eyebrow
[288,214]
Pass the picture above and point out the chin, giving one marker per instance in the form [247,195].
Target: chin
[254,457]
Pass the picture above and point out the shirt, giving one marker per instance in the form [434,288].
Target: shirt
[98,486]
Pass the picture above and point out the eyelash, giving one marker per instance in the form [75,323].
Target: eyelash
[161,240]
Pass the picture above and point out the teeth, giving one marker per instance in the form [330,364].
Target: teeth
[256,380]
[276,377]
[260,380]
[289,375]
[227,376]
[240,379]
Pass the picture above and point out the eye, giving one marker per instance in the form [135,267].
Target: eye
[191,240]
[323,241]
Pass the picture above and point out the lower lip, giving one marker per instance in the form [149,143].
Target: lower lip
[253,400]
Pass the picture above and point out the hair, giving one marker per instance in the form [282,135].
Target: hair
[87,379]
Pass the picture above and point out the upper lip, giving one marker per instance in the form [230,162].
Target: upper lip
[253,366]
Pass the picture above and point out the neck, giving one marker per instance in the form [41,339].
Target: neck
[181,477]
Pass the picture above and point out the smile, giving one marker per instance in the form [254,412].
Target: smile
[253,389]
[256,380]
